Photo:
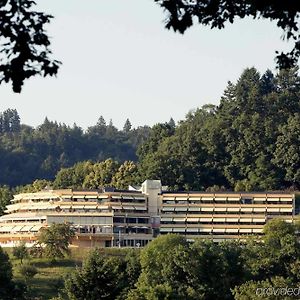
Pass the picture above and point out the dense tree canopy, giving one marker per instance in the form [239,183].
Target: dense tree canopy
[279,253]
[88,175]
[103,277]
[170,268]
[272,262]
[6,290]
[167,271]
[28,153]
[9,121]
[250,141]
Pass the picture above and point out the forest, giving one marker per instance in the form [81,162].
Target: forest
[28,153]
[249,141]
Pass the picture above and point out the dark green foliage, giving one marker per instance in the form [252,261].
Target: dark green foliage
[253,290]
[9,290]
[249,142]
[99,278]
[20,252]
[133,267]
[278,255]
[182,14]
[27,154]
[168,271]
[9,121]
[287,155]
[219,267]
[56,239]
[5,276]
[157,134]
[171,268]
[174,269]
[272,262]
[28,271]
[127,126]
[26,45]
[5,196]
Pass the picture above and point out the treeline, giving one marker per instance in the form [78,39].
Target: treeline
[82,175]
[250,141]
[28,153]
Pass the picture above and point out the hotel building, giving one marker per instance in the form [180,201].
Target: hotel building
[134,217]
[223,216]
[100,219]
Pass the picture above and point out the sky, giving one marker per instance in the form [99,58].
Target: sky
[120,62]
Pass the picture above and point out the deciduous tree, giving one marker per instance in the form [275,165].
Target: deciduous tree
[56,239]
[20,252]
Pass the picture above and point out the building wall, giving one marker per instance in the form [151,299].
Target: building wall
[109,218]
[222,215]
[133,218]
[152,188]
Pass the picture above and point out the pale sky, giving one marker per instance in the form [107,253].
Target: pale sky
[120,62]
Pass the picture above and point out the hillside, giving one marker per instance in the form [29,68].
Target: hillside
[28,153]
[250,141]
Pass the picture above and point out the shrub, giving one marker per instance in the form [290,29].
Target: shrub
[28,271]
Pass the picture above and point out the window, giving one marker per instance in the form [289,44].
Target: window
[247,200]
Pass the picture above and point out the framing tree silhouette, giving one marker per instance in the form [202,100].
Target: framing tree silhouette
[25,44]
[181,14]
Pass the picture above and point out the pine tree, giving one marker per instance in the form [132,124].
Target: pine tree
[127,126]
[172,123]
[101,122]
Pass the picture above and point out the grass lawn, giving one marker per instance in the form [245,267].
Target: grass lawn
[48,282]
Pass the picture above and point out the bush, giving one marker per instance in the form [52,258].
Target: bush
[28,271]
[20,252]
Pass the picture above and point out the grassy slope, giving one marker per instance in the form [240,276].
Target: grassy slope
[48,282]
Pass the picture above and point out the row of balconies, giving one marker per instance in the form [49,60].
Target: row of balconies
[189,201]
[208,231]
[232,209]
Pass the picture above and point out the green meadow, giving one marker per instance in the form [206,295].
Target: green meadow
[48,282]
